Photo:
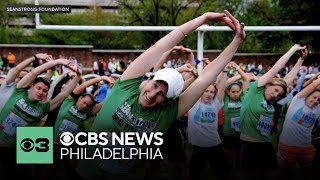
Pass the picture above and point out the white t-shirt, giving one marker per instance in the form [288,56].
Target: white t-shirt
[111,67]
[5,91]
[299,123]
[95,65]
[203,123]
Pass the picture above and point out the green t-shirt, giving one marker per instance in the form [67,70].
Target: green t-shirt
[231,111]
[69,119]
[123,113]
[19,110]
[256,114]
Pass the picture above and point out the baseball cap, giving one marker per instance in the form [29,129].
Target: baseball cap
[173,78]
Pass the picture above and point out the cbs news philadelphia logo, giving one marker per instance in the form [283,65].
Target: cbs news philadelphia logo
[34,145]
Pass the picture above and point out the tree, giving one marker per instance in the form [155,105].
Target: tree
[151,13]
[93,16]
[9,34]
[281,13]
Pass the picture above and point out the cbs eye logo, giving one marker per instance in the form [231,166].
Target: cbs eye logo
[40,145]
[66,138]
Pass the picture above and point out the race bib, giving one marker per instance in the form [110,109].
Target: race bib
[68,126]
[115,166]
[11,123]
[265,125]
[235,123]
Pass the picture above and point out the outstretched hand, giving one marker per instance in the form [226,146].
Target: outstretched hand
[186,68]
[298,47]
[232,64]
[72,66]
[303,53]
[235,25]
[229,20]
[44,56]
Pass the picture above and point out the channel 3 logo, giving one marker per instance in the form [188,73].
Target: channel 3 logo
[34,145]
[40,145]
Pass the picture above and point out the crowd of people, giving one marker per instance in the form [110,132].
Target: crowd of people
[270,117]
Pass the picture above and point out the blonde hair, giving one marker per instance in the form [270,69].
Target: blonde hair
[279,82]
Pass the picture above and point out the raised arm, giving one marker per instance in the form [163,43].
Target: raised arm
[244,77]
[185,68]
[221,85]
[309,81]
[49,74]
[187,71]
[190,56]
[86,84]
[56,102]
[263,80]
[309,89]
[152,55]
[28,79]
[14,73]
[212,70]
[293,73]
[164,58]
[300,81]
[96,108]
[234,79]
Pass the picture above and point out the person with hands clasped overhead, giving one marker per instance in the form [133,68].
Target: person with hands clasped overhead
[174,135]
[203,130]
[294,86]
[15,75]
[295,142]
[159,102]
[74,112]
[235,92]
[25,108]
[256,121]
[188,70]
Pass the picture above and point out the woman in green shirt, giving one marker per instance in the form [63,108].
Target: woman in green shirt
[256,120]
[231,114]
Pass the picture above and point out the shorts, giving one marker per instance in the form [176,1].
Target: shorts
[292,154]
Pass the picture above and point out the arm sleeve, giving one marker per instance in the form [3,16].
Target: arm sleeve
[57,88]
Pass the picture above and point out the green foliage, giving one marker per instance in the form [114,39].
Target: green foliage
[6,18]
[174,13]
[283,13]
[99,39]
[11,35]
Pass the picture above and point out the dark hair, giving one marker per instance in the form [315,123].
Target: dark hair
[234,84]
[316,90]
[90,96]
[45,81]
